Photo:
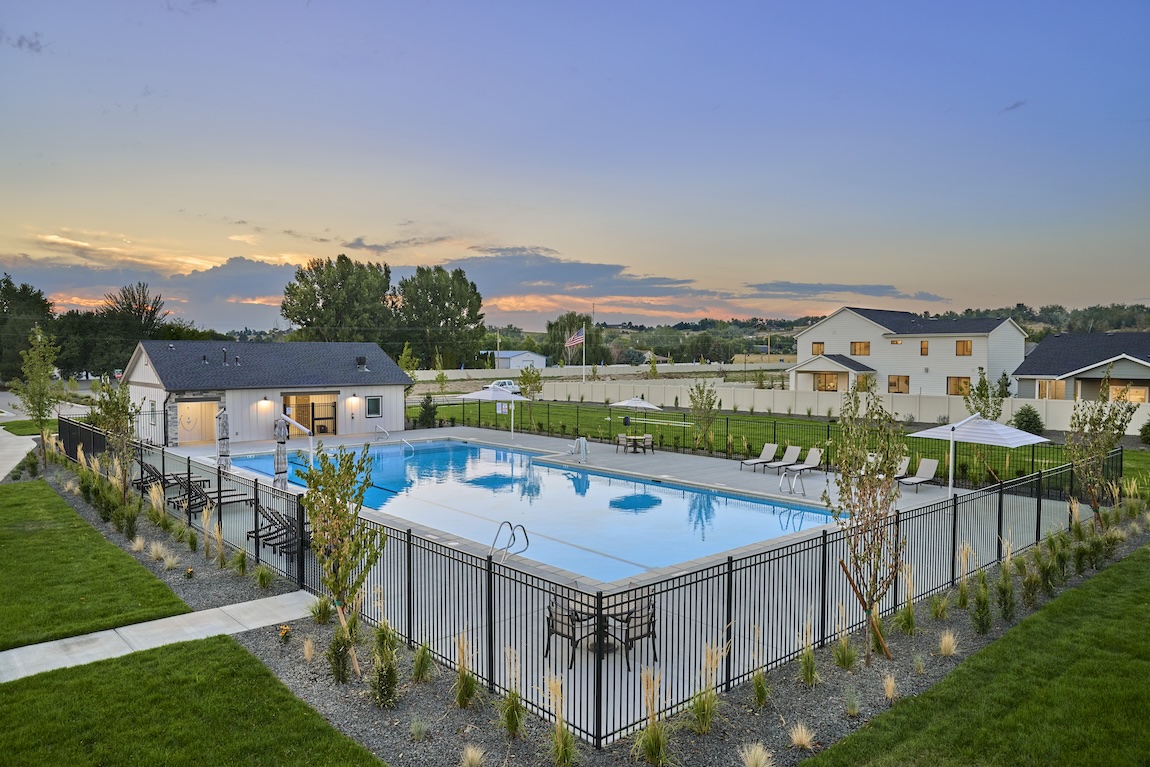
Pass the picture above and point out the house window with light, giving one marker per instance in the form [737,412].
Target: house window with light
[860,348]
[1051,390]
[958,386]
[924,348]
[898,384]
[816,348]
[826,381]
[963,348]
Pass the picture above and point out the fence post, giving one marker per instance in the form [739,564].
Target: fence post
[897,535]
[775,432]
[999,522]
[490,625]
[140,455]
[256,522]
[1038,521]
[299,541]
[410,594]
[163,463]
[728,619]
[953,538]
[600,640]
[188,507]
[1032,459]
[219,496]
[823,595]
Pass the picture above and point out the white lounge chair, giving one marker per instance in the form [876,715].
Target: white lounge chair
[790,458]
[903,465]
[766,456]
[926,469]
[795,471]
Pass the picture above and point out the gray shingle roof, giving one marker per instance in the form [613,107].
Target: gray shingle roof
[1057,355]
[848,362]
[180,365]
[909,324]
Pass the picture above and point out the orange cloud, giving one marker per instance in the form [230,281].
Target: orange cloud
[257,300]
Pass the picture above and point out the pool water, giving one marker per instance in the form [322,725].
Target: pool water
[588,522]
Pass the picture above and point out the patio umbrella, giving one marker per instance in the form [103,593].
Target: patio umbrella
[496,394]
[223,443]
[980,431]
[280,432]
[636,403]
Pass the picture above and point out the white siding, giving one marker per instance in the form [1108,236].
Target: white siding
[251,417]
[1007,350]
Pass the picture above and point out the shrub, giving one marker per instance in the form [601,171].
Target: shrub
[755,755]
[844,652]
[759,687]
[1027,419]
[320,610]
[853,704]
[947,644]
[339,655]
[1144,432]
[423,667]
[419,729]
[192,540]
[240,561]
[940,606]
[264,576]
[889,688]
[427,410]
[652,743]
[472,756]
[466,686]
[1004,593]
[919,665]
[980,616]
[384,681]
[802,737]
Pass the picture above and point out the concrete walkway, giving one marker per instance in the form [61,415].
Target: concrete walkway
[101,645]
[12,448]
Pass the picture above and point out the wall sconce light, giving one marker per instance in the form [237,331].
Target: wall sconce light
[265,398]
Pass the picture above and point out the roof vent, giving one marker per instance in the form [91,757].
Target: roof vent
[237,360]
[225,351]
[205,359]
[172,347]
[361,364]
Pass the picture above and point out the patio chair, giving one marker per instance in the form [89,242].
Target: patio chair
[620,442]
[795,471]
[790,458]
[926,469]
[766,456]
[648,443]
[565,621]
[635,624]
[903,465]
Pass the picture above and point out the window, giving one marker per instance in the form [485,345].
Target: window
[826,381]
[1051,390]
[152,413]
[963,348]
[860,348]
[374,407]
[816,347]
[923,348]
[958,386]
[895,341]
[1136,393]
[898,384]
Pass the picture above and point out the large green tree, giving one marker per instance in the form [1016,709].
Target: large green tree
[340,300]
[129,315]
[562,328]
[22,307]
[440,311]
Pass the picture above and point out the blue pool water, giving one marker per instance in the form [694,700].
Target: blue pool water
[593,524]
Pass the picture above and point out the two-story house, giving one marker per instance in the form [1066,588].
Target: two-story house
[1072,366]
[905,353]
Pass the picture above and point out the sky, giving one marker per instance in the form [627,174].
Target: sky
[652,162]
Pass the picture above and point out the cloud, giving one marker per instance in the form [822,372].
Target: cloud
[247,239]
[514,250]
[822,291]
[1016,105]
[378,248]
[30,43]
[108,250]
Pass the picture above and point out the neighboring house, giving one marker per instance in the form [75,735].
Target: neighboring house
[512,359]
[1072,366]
[330,388]
[904,352]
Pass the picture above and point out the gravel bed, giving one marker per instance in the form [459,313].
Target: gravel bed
[387,732]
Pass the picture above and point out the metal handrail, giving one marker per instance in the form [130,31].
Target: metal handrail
[412,449]
[386,433]
[511,539]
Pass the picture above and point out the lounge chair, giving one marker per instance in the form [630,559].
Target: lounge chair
[795,471]
[766,456]
[903,465]
[790,458]
[620,442]
[926,469]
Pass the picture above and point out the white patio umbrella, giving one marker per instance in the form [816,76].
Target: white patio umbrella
[980,431]
[280,432]
[223,442]
[636,403]
[496,394]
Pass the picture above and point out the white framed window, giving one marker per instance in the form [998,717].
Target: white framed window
[374,407]
[958,386]
[898,384]
[860,348]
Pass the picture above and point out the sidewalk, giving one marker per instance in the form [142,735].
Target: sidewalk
[25,661]
[12,448]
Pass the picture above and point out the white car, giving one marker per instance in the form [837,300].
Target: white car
[506,384]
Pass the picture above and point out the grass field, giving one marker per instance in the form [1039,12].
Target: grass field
[195,703]
[27,428]
[1067,686]
[60,578]
[1136,463]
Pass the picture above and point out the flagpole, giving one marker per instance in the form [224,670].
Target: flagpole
[584,352]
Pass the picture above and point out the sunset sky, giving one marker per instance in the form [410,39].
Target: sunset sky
[661,161]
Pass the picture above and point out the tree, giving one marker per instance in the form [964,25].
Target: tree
[441,309]
[1096,427]
[530,384]
[565,326]
[129,315]
[77,333]
[440,373]
[704,409]
[345,545]
[38,392]
[22,308]
[116,415]
[1002,388]
[408,363]
[984,400]
[341,300]
[137,304]
[867,447]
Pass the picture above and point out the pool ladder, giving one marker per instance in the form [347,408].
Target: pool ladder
[512,538]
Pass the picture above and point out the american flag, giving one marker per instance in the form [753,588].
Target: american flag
[575,339]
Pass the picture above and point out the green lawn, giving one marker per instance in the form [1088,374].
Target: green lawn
[1136,463]
[27,428]
[195,703]
[1067,686]
[60,578]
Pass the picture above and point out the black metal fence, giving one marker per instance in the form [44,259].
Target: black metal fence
[516,628]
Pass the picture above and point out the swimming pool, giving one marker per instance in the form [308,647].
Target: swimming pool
[588,522]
